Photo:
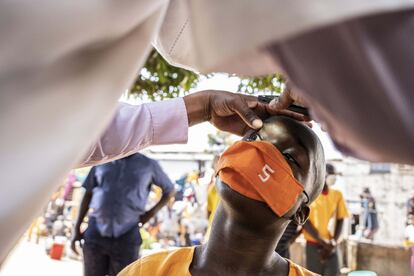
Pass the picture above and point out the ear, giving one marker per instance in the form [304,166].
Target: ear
[301,215]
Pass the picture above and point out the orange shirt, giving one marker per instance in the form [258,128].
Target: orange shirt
[323,209]
[177,262]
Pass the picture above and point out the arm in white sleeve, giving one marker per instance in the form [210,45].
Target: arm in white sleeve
[135,127]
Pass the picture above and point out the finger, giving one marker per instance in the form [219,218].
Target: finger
[323,126]
[309,124]
[240,106]
[291,114]
[283,102]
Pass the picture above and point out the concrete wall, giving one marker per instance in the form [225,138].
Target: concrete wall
[391,191]
[384,260]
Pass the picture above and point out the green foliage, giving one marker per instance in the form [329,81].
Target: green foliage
[159,80]
[270,84]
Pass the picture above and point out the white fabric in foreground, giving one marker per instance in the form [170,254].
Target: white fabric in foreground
[226,36]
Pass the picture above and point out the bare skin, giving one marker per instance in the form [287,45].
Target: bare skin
[245,231]
[231,112]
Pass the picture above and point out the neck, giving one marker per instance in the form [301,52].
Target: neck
[239,249]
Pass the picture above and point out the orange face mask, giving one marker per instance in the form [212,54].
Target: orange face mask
[259,171]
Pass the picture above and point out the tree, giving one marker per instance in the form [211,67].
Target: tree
[159,80]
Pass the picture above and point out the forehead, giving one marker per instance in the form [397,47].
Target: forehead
[279,129]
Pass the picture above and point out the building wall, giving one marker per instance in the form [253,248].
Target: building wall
[384,260]
[391,191]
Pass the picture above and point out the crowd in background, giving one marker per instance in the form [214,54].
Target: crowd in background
[182,222]
[185,219]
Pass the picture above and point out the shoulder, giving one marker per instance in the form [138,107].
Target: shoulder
[161,263]
[336,194]
[142,160]
[297,270]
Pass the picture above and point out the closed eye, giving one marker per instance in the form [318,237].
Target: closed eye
[290,158]
[255,136]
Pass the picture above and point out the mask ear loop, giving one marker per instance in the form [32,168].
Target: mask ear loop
[307,197]
[294,217]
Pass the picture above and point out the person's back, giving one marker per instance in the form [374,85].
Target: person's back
[124,184]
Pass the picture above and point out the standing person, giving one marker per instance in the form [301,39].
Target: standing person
[321,244]
[213,198]
[410,207]
[369,214]
[169,225]
[409,237]
[117,193]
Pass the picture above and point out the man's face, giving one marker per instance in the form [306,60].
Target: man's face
[298,144]
[330,179]
[302,151]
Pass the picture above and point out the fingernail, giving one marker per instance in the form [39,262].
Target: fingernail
[257,123]
[273,104]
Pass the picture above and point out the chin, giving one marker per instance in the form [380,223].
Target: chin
[245,210]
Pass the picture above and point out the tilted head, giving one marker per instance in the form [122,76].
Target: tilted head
[302,151]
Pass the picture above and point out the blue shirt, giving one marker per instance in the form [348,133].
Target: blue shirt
[120,191]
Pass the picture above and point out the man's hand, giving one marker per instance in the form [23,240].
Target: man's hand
[145,217]
[328,248]
[77,236]
[232,112]
[287,98]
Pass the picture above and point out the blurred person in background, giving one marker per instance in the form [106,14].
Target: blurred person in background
[369,214]
[213,198]
[410,207]
[168,219]
[321,244]
[117,193]
[213,201]
[409,238]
